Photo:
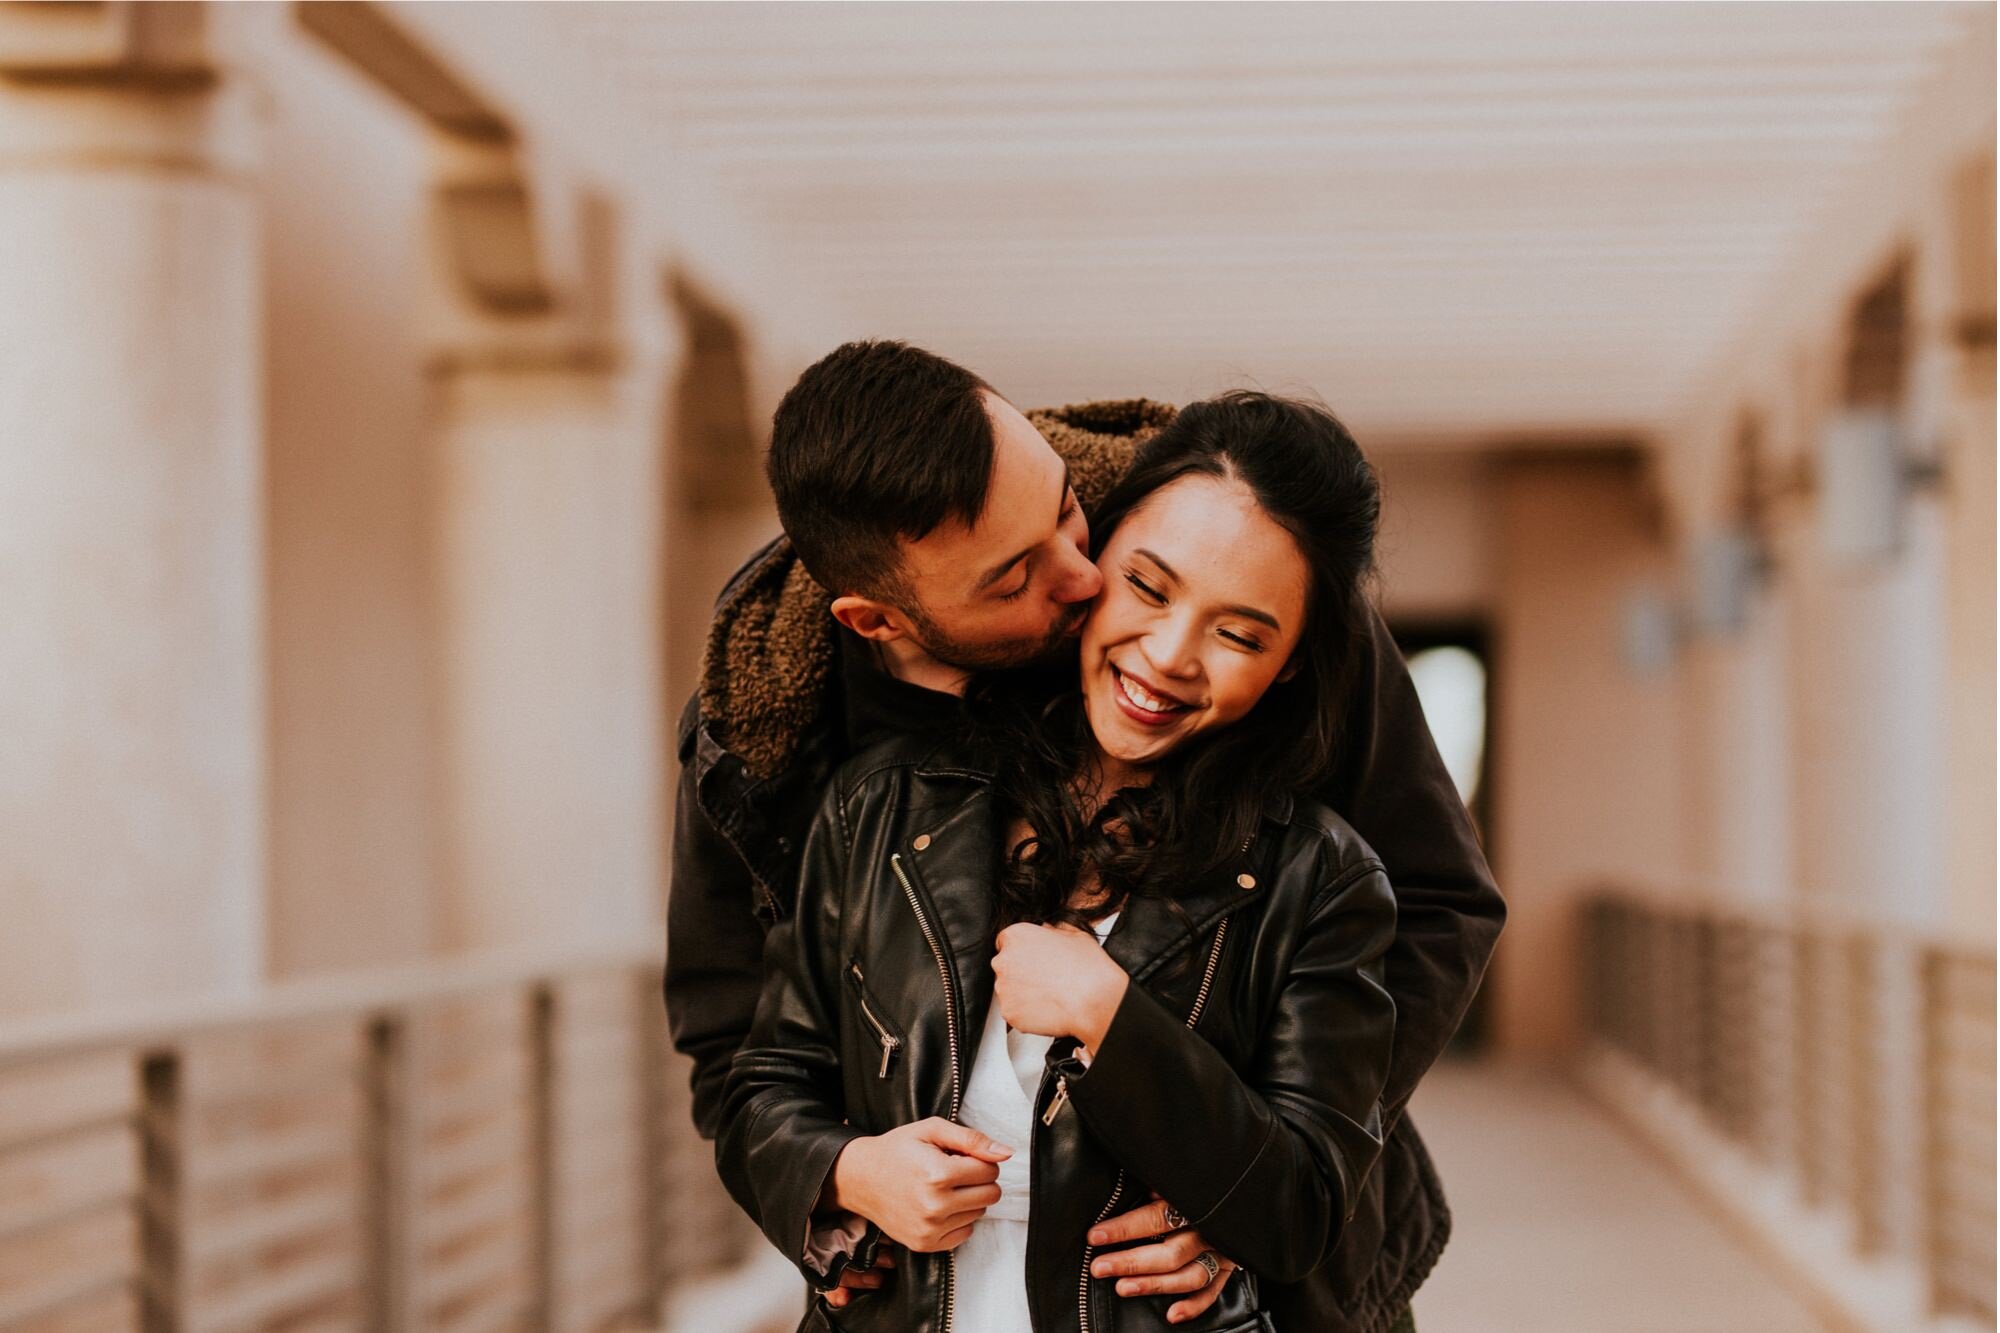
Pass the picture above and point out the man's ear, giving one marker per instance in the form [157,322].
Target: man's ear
[871,619]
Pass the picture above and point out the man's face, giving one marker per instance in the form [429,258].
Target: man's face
[1012,587]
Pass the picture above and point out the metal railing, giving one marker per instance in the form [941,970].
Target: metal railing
[1856,1060]
[479,1145]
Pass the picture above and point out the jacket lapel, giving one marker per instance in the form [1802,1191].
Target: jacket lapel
[954,871]
[1150,931]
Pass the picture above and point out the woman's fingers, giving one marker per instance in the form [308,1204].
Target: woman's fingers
[952,1171]
[972,1196]
[1182,1311]
[1165,1256]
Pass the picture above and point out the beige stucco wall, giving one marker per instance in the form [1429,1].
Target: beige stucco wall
[1585,747]
[351,867]
[1438,537]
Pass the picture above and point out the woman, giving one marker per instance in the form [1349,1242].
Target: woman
[1101,928]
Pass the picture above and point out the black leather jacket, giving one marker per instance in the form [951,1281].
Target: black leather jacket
[763,735]
[1241,1077]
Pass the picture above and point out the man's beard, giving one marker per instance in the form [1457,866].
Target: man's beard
[1005,656]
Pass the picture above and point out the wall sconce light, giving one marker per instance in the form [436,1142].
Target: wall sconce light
[1727,569]
[1649,630]
[1866,472]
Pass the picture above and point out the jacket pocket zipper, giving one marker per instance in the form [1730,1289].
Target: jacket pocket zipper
[891,1043]
[949,1289]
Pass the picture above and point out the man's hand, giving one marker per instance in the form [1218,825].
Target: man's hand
[1056,981]
[866,1279]
[1166,1266]
[923,1184]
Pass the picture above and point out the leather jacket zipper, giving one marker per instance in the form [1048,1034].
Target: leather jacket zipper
[1118,1185]
[891,1043]
[951,1040]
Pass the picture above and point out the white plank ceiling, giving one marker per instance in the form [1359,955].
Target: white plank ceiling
[1453,221]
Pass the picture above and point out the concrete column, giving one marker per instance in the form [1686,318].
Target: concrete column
[547,495]
[1736,781]
[1865,655]
[131,699]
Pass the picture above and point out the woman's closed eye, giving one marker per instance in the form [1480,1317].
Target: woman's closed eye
[1146,590]
[1158,598]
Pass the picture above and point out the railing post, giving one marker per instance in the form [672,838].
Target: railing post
[542,1154]
[163,1218]
[1959,1108]
[654,1109]
[388,1151]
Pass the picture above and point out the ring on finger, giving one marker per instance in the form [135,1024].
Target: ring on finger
[1211,1264]
[1172,1216]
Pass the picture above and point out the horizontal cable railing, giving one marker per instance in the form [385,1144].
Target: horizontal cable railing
[499,1144]
[1853,1059]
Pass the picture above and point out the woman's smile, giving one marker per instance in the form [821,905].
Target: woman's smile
[1146,706]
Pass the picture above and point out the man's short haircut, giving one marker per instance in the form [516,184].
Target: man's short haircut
[877,441]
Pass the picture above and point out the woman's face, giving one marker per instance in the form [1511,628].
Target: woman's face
[1204,599]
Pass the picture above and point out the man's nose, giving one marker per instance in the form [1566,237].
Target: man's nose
[1080,579]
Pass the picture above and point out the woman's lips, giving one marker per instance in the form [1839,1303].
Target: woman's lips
[1144,716]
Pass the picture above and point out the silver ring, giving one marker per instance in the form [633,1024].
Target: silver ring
[1208,1260]
[1173,1216]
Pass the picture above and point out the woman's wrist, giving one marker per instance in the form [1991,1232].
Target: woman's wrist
[1100,1001]
[839,1194]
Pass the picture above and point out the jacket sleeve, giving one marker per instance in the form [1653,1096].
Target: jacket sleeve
[715,947]
[1393,788]
[1268,1164]
[782,1118]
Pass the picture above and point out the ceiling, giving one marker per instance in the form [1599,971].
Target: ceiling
[1452,221]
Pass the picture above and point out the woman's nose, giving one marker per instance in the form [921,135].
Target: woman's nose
[1170,650]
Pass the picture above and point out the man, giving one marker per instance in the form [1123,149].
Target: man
[952,531]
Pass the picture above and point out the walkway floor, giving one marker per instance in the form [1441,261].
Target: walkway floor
[1562,1224]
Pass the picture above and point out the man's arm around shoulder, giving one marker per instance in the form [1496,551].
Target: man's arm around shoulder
[715,947]
[1392,786]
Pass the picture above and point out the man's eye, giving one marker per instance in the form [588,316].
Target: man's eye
[1146,591]
[1018,593]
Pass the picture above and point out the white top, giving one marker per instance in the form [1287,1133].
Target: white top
[990,1269]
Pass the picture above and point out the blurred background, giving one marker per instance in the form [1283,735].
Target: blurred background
[382,391]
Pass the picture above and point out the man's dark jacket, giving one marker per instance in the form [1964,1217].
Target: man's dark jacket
[767,728]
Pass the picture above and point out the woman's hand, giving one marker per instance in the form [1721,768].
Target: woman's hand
[1056,981]
[923,1184]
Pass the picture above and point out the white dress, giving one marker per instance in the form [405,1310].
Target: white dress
[990,1268]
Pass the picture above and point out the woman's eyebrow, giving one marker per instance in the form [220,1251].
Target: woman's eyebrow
[1247,612]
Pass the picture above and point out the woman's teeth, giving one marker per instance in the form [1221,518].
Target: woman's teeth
[1143,697]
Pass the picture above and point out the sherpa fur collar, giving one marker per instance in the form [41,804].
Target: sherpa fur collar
[770,649]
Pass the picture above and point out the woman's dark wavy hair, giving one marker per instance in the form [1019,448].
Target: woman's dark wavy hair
[1207,797]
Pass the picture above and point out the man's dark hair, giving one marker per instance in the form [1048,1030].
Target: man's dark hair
[877,441]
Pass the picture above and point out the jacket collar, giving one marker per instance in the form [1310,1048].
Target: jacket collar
[959,892]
